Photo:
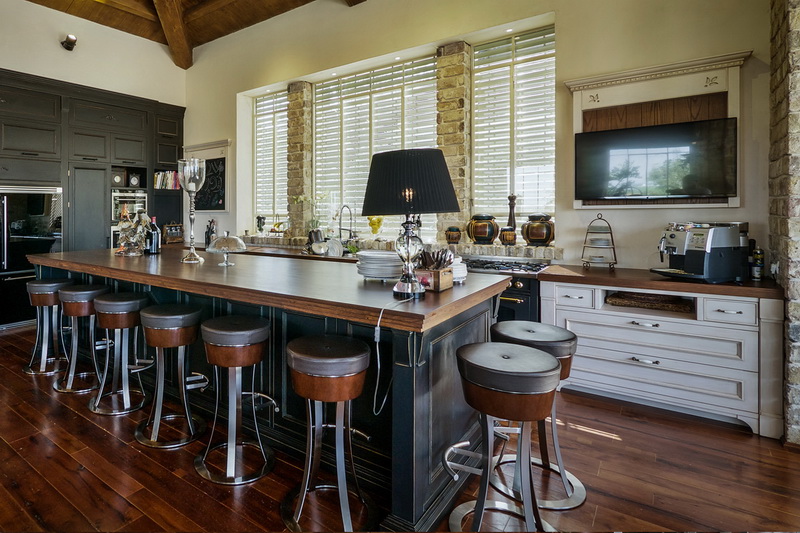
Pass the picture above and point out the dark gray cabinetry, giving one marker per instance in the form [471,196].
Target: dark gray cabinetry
[29,104]
[27,172]
[89,146]
[30,139]
[128,150]
[89,205]
[88,114]
[169,141]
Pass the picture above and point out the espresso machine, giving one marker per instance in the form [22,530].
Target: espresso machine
[714,252]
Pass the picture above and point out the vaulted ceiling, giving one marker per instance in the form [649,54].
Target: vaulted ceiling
[180,24]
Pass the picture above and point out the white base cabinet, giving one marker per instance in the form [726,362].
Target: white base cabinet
[723,359]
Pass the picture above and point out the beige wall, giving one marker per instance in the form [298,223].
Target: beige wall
[593,37]
[104,57]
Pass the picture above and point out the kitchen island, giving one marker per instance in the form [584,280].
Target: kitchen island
[413,361]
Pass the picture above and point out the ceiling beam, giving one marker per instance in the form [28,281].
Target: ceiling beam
[134,7]
[208,7]
[171,14]
[352,3]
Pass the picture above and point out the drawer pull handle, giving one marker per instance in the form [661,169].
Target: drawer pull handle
[29,153]
[730,312]
[645,324]
[646,361]
[571,297]
[514,300]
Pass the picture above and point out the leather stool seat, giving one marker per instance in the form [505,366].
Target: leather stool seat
[511,382]
[119,312]
[234,342]
[43,295]
[81,293]
[171,326]
[327,368]
[561,343]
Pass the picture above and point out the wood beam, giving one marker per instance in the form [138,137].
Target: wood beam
[352,3]
[134,7]
[171,14]
[205,8]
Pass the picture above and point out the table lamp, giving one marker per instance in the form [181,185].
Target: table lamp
[409,182]
[192,176]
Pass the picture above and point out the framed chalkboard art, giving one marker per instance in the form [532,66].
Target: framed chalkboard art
[213,196]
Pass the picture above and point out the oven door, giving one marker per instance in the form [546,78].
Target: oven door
[520,301]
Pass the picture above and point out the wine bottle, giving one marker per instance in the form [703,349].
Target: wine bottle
[155,237]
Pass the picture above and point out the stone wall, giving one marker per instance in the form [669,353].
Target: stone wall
[784,189]
[300,167]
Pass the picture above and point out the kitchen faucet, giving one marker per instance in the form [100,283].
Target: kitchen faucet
[351,233]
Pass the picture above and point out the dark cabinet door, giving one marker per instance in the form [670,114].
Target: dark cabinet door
[14,171]
[105,116]
[88,208]
[28,104]
[16,306]
[128,149]
[30,139]
[88,146]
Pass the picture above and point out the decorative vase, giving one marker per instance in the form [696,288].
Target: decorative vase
[452,235]
[508,236]
[539,230]
[482,229]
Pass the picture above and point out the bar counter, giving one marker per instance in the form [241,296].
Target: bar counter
[413,362]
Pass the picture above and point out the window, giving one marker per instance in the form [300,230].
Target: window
[391,108]
[514,124]
[271,144]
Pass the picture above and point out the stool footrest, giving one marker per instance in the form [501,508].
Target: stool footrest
[453,468]
[196,381]
[263,397]
[141,365]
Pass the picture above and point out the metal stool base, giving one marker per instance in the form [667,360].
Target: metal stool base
[142,439]
[50,360]
[576,498]
[288,504]
[61,384]
[96,408]
[458,514]
[223,479]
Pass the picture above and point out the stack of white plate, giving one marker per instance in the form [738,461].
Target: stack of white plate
[378,264]
[459,270]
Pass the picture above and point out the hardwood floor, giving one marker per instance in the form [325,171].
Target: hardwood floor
[65,469]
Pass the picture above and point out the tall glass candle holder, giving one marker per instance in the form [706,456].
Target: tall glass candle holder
[192,176]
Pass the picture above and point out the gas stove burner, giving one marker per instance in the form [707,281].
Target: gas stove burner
[495,265]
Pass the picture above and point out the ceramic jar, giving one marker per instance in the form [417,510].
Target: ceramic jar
[482,229]
[539,230]
[508,236]
[452,235]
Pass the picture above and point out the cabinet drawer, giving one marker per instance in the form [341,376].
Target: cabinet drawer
[730,311]
[569,295]
[672,382]
[662,340]
[30,139]
[25,103]
[88,146]
[25,171]
[84,113]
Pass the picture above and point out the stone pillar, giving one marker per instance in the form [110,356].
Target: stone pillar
[453,127]
[784,190]
[299,156]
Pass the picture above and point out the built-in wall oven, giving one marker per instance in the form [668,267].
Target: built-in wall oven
[30,223]
[520,301]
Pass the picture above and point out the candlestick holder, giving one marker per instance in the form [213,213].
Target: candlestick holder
[192,176]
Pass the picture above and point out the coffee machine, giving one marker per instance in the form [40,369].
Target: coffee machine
[714,252]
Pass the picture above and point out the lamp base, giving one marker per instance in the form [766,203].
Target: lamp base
[192,257]
[407,290]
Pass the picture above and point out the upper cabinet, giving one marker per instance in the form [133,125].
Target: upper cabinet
[27,104]
[88,114]
[40,140]
[168,137]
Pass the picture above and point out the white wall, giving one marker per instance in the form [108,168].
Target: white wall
[105,58]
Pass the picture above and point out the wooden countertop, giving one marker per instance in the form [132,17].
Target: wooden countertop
[644,279]
[325,288]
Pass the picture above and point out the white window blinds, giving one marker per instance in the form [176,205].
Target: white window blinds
[514,124]
[270,115]
[391,108]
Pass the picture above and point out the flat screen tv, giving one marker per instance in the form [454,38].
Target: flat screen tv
[684,160]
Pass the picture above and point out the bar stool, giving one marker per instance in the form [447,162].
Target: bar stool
[234,342]
[510,382]
[171,326]
[327,368]
[43,295]
[561,343]
[120,313]
[78,301]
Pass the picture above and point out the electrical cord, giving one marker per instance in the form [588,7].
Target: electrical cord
[375,409]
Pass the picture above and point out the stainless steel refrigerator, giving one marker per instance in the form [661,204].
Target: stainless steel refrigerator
[30,223]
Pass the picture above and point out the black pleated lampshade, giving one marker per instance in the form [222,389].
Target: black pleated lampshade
[415,181]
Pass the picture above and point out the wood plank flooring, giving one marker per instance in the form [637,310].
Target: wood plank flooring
[65,469]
